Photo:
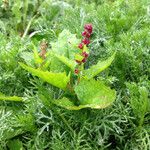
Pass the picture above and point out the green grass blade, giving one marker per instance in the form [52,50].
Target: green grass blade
[11,98]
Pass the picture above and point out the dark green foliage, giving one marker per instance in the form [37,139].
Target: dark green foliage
[121,26]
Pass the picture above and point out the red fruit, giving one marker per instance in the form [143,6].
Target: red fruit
[86,41]
[86,34]
[84,54]
[89,28]
[80,46]
[76,71]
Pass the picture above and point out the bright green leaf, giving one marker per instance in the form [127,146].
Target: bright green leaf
[85,49]
[100,66]
[70,63]
[66,44]
[68,104]
[59,80]
[78,57]
[91,94]
[37,58]
[95,94]
[46,64]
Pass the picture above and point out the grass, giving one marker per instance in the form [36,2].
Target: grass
[121,26]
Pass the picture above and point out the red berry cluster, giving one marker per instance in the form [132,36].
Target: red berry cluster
[85,41]
[86,34]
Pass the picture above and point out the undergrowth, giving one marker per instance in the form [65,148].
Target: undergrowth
[122,26]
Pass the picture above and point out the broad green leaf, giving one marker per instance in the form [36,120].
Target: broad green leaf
[59,80]
[64,102]
[68,104]
[94,93]
[100,66]
[66,45]
[10,98]
[70,63]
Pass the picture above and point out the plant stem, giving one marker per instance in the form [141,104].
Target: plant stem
[25,12]
[28,27]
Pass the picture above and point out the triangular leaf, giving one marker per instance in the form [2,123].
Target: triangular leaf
[66,44]
[100,66]
[59,80]
[94,93]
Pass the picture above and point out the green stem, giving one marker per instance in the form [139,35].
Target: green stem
[28,27]
[25,12]
[11,98]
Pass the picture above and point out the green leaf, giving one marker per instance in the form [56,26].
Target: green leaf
[94,94]
[46,64]
[37,58]
[85,49]
[64,102]
[16,10]
[100,66]
[28,57]
[78,57]
[15,144]
[10,98]
[68,104]
[70,63]
[66,45]
[59,80]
